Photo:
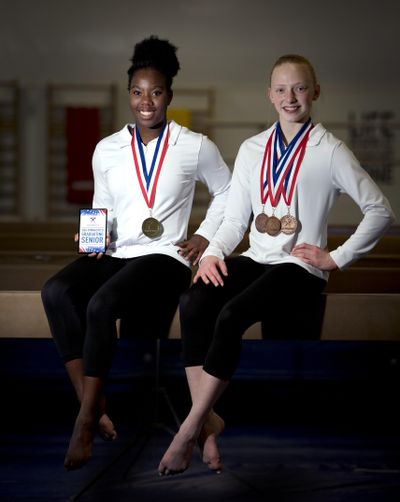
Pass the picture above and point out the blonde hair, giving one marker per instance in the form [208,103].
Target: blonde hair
[295,59]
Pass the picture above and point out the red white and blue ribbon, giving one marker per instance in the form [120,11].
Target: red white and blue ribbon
[280,165]
[148,178]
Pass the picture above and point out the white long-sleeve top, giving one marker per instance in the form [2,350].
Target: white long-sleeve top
[328,169]
[190,157]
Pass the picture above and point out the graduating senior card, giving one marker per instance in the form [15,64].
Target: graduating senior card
[92,230]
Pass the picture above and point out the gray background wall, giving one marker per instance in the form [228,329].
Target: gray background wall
[224,44]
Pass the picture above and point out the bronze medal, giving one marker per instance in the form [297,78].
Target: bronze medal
[273,226]
[261,223]
[288,224]
[152,228]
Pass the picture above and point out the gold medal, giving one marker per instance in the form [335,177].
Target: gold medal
[152,228]
[273,226]
[261,223]
[288,224]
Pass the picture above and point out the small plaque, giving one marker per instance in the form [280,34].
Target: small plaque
[92,230]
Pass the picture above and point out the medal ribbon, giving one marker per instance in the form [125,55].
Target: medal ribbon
[162,138]
[291,178]
[282,153]
[266,160]
[279,173]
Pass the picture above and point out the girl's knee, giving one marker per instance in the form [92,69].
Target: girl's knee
[102,306]
[52,292]
[230,321]
[192,304]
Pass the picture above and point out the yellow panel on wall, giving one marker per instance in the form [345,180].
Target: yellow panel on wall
[180,115]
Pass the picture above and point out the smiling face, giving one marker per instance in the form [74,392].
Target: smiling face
[292,91]
[149,98]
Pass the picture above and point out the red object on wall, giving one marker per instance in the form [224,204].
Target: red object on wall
[82,133]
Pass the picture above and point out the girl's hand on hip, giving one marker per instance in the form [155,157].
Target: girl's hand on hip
[193,248]
[315,256]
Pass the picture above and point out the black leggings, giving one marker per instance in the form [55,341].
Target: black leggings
[214,319]
[83,301]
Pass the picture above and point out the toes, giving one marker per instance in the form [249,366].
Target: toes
[108,436]
[170,472]
[106,429]
[215,465]
[73,466]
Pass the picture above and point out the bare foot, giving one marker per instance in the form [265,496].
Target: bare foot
[80,445]
[106,428]
[207,441]
[178,455]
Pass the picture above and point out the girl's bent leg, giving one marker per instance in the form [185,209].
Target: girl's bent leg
[212,427]
[208,441]
[65,297]
[178,456]
[75,372]
[80,445]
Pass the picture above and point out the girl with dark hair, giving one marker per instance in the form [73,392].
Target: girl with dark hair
[145,176]
[288,178]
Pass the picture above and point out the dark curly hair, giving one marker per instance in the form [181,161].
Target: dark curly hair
[155,53]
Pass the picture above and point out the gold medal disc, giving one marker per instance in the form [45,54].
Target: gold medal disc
[152,228]
[288,224]
[273,226]
[261,223]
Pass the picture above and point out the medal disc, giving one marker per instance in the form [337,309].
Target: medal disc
[273,226]
[288,224]
[261,223]
[152,228]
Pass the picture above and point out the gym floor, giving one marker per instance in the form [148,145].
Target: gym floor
[293,433]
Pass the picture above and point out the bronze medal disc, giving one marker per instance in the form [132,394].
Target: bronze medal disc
[288,224]
[152,228]
[273,226]
[261,223]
